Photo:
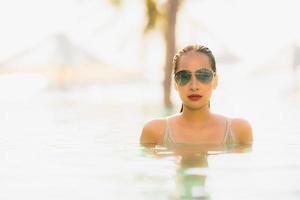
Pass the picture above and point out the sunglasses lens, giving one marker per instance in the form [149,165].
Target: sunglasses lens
[183,77]
[204,75]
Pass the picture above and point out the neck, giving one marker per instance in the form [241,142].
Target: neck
[199,116]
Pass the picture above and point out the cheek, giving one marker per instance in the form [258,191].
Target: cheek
[181,91]
[209,91]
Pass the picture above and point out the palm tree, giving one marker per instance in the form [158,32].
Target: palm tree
[167,16]
[163,18]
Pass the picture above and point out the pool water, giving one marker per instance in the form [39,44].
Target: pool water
[83,144]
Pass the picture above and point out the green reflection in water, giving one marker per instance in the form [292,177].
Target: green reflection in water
[191,166]
[191,184]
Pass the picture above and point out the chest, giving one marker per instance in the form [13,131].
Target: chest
[207,135]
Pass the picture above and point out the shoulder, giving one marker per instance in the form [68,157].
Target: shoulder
[153,131]
[242,130]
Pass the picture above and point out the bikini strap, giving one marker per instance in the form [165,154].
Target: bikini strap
[229,137]
[167,134]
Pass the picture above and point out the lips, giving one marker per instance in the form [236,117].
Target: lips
[194,97]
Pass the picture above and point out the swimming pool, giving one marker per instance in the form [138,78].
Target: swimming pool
[83,144]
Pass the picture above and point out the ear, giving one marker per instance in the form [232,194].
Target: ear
[215,82]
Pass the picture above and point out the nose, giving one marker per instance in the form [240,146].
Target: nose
[194,84]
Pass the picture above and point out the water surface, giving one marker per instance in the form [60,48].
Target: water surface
[83,144]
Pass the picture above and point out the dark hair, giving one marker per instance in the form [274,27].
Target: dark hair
[195,48]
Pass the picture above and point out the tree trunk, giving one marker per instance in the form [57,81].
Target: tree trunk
[170,39]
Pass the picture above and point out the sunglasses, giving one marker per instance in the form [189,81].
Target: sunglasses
[203,75]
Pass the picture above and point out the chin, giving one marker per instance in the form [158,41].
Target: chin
[193,107]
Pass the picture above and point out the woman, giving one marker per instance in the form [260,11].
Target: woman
[195,78]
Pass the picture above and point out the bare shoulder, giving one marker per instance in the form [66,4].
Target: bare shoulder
[153,131]
[242,130]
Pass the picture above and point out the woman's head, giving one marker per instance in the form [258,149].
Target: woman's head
[194,70]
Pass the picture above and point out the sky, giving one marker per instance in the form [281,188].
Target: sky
[253,30]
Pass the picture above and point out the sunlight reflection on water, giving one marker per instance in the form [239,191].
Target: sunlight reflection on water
[82,143]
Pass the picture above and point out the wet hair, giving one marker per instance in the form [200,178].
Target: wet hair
[194,48]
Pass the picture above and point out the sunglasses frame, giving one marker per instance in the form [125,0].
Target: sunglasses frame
[191,73]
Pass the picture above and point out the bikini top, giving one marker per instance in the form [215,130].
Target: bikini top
[227,140]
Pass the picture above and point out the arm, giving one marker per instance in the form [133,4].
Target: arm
[242,131]
[151,133]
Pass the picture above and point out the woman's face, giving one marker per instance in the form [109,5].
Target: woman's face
[190,92]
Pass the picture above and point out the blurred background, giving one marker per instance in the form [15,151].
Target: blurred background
[80,76]
[119,52]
